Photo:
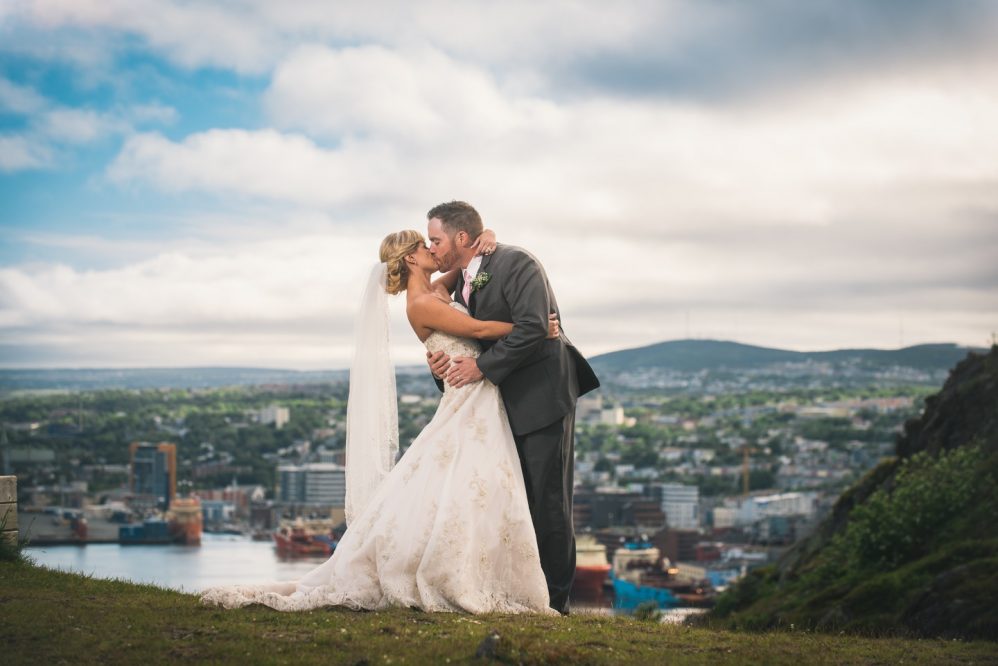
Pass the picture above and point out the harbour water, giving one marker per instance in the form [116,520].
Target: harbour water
[221,559]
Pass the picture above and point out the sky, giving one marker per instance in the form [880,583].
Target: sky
[188,183]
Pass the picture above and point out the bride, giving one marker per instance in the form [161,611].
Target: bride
[448,527]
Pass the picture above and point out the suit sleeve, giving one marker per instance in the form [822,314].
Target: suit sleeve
[525,290]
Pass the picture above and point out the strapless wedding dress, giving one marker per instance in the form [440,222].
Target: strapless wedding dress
[449,528]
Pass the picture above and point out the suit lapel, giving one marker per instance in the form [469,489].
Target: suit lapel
[459,289]
[474,294]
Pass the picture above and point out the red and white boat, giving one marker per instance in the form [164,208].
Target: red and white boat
[298,542]
[591,566]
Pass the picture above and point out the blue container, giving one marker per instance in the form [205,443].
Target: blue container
[627,595]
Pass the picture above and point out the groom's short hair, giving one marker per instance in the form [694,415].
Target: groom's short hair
[458,216]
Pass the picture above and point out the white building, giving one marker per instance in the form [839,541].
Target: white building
[725,516]
[320,484]
[681,504]
[275,414]
[612,416]
[782,504]
[671,454]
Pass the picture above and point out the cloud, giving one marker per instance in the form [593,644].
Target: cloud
[262,163]
[47,128]
[679,48]
[73,125]
[19,99]
[383,133]
[409,97]
[192,34]
[253,35]
[18,153]
[258,295]
[827,201]
[804,175]
[726,50]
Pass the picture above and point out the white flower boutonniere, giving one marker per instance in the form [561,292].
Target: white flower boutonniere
[480,281]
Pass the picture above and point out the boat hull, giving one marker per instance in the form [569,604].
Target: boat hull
[591,578]
[629,595]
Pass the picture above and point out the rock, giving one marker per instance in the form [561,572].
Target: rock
[487,648]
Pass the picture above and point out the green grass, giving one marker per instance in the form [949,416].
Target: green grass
[50,617]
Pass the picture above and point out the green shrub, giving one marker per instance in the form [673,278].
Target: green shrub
[897,526]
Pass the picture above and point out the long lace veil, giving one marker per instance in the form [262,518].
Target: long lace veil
[372,411]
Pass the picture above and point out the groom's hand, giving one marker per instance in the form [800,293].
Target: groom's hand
[438,362]
[463,371]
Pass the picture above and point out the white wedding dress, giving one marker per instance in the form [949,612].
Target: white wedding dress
[448,529]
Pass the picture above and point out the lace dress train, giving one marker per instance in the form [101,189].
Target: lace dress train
[448,529]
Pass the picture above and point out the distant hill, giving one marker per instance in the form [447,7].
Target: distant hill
[684,356]
[157,378]
[696,355]
[913,546]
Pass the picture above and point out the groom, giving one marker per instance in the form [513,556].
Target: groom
[539,379]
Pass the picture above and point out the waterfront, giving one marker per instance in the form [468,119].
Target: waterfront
[221,559]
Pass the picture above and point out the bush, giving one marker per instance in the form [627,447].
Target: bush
[897,527]
[901,524]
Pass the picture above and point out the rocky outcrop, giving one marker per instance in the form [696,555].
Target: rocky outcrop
[948,588]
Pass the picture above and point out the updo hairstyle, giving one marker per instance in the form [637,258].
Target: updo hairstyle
[394,249]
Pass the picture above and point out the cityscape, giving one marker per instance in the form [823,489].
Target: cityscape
[680,489]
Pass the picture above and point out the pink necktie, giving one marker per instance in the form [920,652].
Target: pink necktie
[466,291]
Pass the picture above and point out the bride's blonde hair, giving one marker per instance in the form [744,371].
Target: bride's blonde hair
[394,249]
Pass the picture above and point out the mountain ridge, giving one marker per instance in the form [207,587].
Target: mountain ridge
[695,354]
[689,355]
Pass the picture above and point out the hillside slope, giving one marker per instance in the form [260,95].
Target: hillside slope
[913,546]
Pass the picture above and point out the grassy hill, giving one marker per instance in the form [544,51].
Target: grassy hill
[913,546]
[49,617]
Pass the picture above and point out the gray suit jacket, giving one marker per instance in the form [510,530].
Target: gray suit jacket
[540,379]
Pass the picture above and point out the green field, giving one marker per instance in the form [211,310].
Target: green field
[50,617]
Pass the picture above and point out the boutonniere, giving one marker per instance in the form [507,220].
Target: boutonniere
[480,281]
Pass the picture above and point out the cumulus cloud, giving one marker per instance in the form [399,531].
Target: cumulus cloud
[262,163]
[193,34]
[19,99]
[811,177]
[73,125]
[18,153]
[821,206]
[47,128]
[290,298]
[411,97]
[253,35]
[681,48]
[384,132]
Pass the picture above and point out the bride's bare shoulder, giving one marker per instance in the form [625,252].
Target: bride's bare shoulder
[422,305]
[427,300]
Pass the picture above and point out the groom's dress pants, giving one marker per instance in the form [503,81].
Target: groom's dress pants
[548,462]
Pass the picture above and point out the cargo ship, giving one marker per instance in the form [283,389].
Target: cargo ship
[185,521]
[149,532]
[640,574]
[296,541]
[182,525]
[591,566]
